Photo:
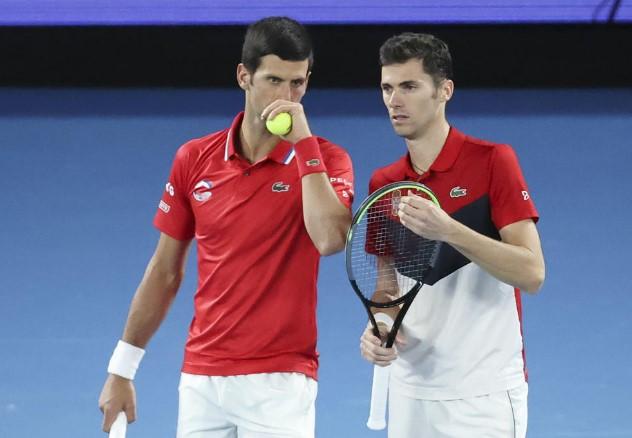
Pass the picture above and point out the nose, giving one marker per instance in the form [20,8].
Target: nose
[284,91]
[394,100]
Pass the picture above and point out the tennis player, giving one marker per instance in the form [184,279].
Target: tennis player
[263,209]
[458,368]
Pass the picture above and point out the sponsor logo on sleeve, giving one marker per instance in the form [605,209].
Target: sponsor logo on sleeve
[169,189]
[164,206]
[525,195]
[202,190]
[338,180]
[313,162]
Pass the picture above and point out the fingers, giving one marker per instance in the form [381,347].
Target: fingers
[416,201]
[400,339]
[109,415]
[117,395]
[371,349]
[130,412]
[281,106]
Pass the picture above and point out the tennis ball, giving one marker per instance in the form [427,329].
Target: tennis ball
[281,124]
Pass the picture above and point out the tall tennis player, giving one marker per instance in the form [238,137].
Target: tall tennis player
[262,208]
[460,368]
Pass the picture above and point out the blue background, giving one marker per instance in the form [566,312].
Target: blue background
[81,172]
[114,12]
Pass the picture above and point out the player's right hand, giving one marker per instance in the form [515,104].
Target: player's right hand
[118,395]
[371,346]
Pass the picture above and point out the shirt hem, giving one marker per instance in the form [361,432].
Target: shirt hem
[234,368]
[444,394]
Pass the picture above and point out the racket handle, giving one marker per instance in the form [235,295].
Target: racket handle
[119,427]
[379,397]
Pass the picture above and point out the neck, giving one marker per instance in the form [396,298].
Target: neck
[255,142]
[425,148]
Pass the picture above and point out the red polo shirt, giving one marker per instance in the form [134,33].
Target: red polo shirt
[255,305]
[469,321]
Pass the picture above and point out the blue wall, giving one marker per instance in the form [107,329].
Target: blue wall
[81,172]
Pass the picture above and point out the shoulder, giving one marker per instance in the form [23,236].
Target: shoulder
[473,145]
[330,149]
[196,148]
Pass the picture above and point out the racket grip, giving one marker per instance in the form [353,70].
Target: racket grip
[119,427]
[379,397]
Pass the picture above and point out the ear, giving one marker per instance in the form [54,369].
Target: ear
[446,90]
[243,77]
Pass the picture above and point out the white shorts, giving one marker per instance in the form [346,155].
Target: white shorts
[247,406]
[497,415]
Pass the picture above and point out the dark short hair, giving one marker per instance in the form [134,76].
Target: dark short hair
[280,36]
[437,61]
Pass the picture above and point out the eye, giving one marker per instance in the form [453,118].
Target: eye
[297,83]
[275,80]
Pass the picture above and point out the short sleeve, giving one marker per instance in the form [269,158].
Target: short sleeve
[174,216]
[509,196]
[340,172]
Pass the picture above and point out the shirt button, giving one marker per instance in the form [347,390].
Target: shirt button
[246,173]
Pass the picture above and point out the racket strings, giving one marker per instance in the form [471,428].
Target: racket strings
[385,255]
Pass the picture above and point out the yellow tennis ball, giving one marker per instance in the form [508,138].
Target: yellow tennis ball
[281,124]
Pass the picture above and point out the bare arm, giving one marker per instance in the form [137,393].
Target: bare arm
[149,306]
[326,219]
[516,260]
[156,291]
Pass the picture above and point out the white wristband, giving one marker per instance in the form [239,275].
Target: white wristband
[125,360]
[383,317]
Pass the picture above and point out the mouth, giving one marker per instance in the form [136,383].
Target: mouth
[399,118]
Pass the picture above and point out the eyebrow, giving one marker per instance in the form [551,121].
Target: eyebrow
[273,76]
[402,84]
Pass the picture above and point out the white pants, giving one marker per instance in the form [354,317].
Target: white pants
[497,415]
[247,406]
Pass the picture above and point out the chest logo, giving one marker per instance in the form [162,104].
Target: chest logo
[280,187]
[457,192]
[202,190]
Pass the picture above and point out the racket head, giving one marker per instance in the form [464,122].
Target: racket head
[382,254]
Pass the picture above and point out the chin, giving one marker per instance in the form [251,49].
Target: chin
[402,132]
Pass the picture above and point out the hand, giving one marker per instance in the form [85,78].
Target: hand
[118,395]
[300,128]
[424,218]
[371,346]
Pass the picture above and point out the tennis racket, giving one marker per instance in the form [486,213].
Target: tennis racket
[119,427]
[387,265]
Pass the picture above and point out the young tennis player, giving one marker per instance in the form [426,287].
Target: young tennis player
[458,369]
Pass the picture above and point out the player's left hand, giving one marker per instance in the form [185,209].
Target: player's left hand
[300,127]
[424,218]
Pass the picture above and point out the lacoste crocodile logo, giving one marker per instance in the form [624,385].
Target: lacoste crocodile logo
[280,187]
[457,192]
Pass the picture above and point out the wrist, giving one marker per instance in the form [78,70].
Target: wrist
[308,157]
[125,360]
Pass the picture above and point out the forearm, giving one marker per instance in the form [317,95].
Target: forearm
[150,304]
[326,218]
[516,265]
